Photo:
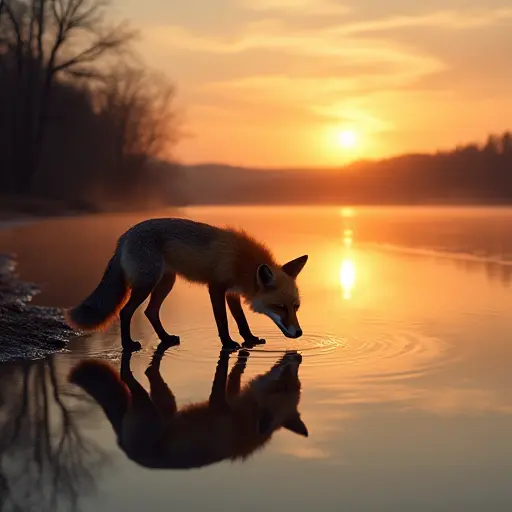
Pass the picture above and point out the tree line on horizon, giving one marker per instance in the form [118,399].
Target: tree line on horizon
[468,174]
[82,119]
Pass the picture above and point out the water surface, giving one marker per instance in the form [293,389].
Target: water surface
[406,382]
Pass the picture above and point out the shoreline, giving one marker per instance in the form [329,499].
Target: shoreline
[9,222]
[27,332]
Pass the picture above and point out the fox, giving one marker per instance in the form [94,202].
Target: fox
[232,264]
[234,423]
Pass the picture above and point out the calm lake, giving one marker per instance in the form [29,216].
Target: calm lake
[406,369]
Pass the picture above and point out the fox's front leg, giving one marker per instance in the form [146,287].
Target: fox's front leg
[235,376]
[218,300]
[161,395]
[243,327]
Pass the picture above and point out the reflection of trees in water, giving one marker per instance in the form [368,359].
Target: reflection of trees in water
[45,461]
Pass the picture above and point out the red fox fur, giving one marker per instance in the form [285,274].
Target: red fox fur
[232,264]
[232,424]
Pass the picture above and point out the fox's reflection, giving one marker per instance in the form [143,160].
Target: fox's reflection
[232,424]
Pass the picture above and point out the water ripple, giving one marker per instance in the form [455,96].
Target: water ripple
[396,355]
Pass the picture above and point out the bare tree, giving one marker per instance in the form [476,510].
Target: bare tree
[139,105]
[48,39]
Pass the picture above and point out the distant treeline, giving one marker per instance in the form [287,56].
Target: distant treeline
[469,174]
[80,119]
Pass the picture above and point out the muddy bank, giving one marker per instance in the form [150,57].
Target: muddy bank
[27,331]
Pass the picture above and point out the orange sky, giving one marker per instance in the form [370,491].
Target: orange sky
[273,82]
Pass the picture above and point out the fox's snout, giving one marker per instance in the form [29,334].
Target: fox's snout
[293,332]
[290,331]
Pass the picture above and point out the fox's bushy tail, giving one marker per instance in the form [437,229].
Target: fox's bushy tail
[98,310]
[99,380]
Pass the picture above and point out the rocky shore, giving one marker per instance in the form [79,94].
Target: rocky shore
[27,331]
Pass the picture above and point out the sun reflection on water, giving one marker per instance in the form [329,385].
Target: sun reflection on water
[347,237]
[348,269]
[347,277]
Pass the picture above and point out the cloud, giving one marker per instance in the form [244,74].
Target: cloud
[446,19]
[387,66]
[302,7]
[354,115]
[329,96]
[329,40]
[355,42]
[393,69]
[273,36]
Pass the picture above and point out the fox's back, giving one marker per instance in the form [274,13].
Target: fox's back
[160,232]
[197,251]
[200,435]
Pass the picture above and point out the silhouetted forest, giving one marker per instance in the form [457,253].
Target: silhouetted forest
[470,174]
[81,120]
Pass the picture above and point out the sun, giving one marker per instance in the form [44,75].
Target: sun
[347,139]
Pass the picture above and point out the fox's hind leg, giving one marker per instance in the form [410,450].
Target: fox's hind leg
[145,270]
[160,292]
[218,394]
[142,425]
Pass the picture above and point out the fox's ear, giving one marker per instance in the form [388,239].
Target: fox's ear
[265,277]
[296,425]
[293,268]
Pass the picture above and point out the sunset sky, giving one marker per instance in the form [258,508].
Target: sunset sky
[277,82]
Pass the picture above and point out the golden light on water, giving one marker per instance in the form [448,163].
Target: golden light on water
[347,277]
[348,269]
[347,238]
[347,212]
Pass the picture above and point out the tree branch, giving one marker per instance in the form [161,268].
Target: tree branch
[40,31]
[31,29]
[104,43]
[15,24]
